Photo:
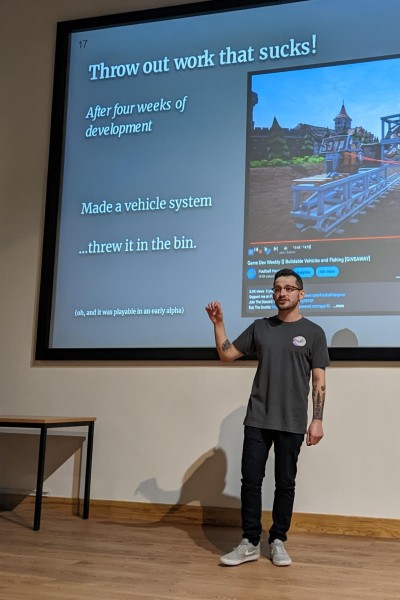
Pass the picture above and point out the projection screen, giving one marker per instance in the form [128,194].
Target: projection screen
[196,150]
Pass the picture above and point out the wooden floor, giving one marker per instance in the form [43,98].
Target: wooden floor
[101,559]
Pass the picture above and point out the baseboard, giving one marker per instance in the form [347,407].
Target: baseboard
[228,517]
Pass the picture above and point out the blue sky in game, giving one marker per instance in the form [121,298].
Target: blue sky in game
[370,90]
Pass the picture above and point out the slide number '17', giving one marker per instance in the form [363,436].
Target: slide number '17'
[82,44]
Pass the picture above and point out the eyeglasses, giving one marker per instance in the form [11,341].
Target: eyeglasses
[288,289]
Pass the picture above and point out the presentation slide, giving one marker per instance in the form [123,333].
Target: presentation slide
[194,154]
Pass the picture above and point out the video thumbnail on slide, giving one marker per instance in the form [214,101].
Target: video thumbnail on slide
[323,187]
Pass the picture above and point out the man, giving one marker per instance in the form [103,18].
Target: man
[289,348]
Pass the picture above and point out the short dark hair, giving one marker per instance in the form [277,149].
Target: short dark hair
[289,273]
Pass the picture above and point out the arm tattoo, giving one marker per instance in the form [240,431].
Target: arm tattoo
[318,398]
[226,345]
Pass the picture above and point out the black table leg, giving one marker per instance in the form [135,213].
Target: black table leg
[40,477]
[88,471]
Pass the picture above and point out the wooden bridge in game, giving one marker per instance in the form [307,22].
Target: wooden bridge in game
[324,202]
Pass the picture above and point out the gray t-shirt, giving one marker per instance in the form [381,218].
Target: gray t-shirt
[286,353]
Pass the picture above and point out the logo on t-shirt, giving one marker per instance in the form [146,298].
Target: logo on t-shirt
[299,340]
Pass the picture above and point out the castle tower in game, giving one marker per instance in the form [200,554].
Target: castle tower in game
[342,121]
[302,140]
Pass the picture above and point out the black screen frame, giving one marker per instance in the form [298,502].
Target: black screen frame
[43,350]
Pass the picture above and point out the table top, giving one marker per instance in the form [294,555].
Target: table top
[43,420]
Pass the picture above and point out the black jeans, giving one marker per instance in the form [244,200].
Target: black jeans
[256,447]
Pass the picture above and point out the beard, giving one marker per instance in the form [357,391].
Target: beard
[287,304]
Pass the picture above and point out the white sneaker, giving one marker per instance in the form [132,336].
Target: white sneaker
[278,554]
[245,552]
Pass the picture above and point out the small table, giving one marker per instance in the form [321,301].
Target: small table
[45,423]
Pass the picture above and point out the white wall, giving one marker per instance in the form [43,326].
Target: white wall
[164,433]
